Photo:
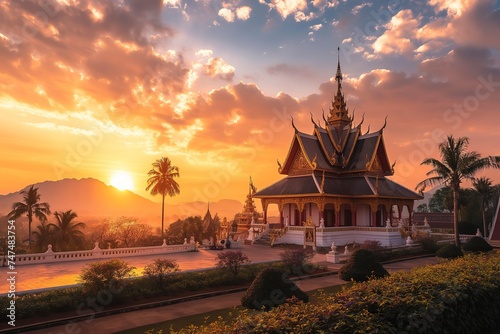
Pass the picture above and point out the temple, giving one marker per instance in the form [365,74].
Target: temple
[337,176]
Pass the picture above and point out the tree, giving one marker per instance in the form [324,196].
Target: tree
[161,181]
[124,232]
[442,200]
[66,233]
[484,189]
[31,207]
[455,166]
[422,208]
[111,275]
[192,227]
[232,260]
[160,271]
[43,237]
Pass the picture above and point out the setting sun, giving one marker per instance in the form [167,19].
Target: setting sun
[122,180]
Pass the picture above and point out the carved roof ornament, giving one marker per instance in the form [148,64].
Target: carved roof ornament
[293,125]
[312,120]
[385,124]
[362,120]
[280,168]
[338,111]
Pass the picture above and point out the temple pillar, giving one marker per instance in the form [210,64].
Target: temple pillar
[337,218]
[281,218]
[265,215]
[353,215]
[410,213]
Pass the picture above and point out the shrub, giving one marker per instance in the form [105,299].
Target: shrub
[429,243]
[458,296]
[465,227]
[373,246]
[296,259]
[361,266]
[232,260]
[449,251]
[477,244]
[271,288]
[160,271]
[105,275]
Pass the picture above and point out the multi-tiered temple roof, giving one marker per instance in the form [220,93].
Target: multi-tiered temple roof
[337,159]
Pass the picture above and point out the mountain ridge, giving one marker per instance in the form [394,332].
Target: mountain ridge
[89,197]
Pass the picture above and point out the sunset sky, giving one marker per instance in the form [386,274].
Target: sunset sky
[93,88]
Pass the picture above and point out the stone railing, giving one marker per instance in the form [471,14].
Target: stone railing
[97,253]
[451,237]
[256,231]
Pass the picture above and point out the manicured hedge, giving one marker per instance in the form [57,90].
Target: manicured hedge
[271,288]
[457,296]
[477,244]
[361,266]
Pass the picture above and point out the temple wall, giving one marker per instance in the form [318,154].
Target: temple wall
[345,235]
[363,215]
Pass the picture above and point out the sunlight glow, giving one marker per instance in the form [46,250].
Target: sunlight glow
[122,181]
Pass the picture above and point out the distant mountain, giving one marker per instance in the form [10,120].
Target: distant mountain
[92,198]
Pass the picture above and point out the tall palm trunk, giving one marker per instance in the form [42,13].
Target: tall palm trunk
[455,216]
[484,220]
[162,213]
[30,220]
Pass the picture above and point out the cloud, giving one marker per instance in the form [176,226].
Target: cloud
[358,8]
[287,69]
[243,13]
[226,14]
[286,7]
[399,36]
[217,67]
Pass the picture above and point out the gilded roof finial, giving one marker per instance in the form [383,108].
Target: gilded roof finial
[312,120]
[385,124]
[293,125]
[362,120]
[338,76]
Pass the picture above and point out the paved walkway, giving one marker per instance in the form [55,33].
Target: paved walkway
[202,259]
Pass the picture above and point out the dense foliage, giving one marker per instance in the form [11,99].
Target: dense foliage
[78,301]
[105,275]
[449,252]
[458,296]
[361,266]
[271,288]
[429,243]
[232,261]
[477,244]
[296,259]
[160,271]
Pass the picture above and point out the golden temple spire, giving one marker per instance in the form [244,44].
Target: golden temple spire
[338,111]
[338,76]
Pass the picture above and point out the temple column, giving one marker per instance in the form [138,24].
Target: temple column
[410,211]
[373,209]
[265,215]
[337,218]
[353,215]
[281,218]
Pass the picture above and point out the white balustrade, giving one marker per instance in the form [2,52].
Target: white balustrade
[97,253]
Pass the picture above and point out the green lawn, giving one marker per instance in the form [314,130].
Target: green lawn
[208,317]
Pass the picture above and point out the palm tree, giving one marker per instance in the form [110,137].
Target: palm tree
[30,206]
[66,233]
[455,166]
[484,188]
[161,181]
[43,237]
